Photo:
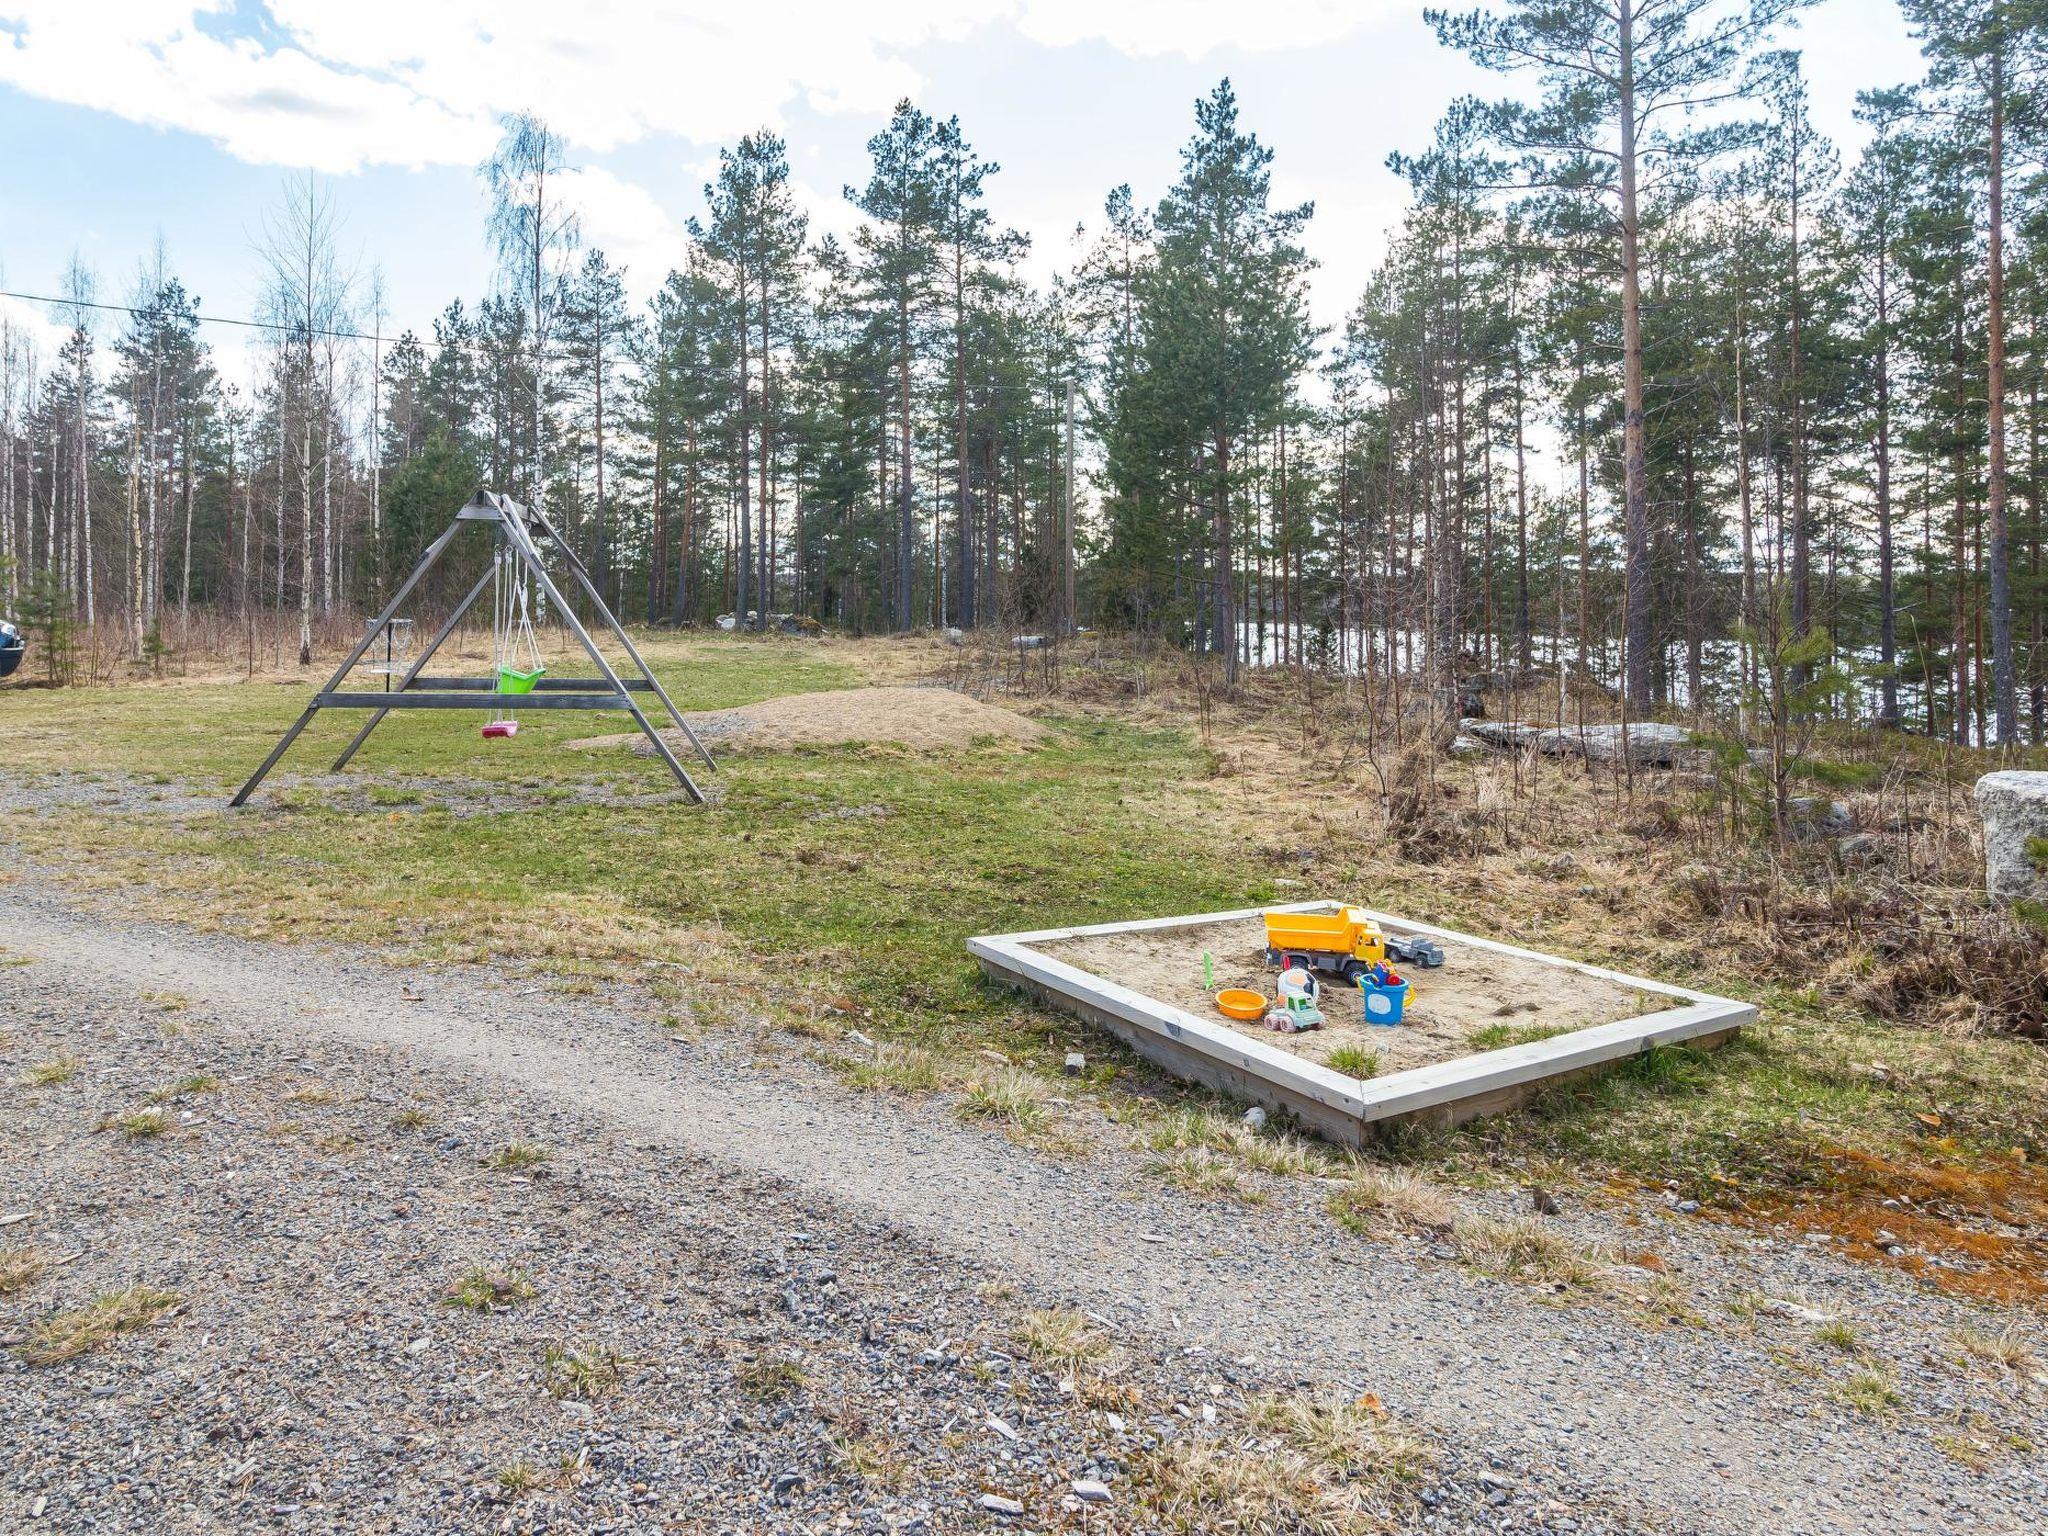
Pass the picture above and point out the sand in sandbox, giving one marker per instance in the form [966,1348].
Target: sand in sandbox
[1473,989]
[925,718]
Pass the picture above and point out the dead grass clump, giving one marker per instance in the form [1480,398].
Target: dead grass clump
[1322,1467]
[867,1454]
[1009,1097]
[20,1267]
[2004,1349]
[894,1068]
[60,1068]
[770,1379]
[1522,1247]
[1992,976]
[1204,1171]
[1352,1434]
[1191,1129]
[516,1157]
[66,1335]
[489,1290]
[581,1374]
[1060,1338]
[1376,1197]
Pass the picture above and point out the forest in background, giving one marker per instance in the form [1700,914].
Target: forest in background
[1794,404]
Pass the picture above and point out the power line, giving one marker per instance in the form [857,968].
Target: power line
[880,381]
[254,325]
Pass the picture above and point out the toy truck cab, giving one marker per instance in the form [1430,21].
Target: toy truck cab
[1345,943]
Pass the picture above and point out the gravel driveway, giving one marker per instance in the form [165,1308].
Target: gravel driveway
[807,1296]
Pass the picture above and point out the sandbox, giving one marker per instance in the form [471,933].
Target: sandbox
[1144,981]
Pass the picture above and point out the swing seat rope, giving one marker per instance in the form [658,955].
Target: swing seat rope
[512,640]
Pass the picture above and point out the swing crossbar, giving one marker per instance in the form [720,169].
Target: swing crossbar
[599,698]
[544,685]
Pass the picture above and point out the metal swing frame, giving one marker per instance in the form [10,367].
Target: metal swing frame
[517,525]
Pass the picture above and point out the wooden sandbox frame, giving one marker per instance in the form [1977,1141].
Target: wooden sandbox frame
[1348,1109]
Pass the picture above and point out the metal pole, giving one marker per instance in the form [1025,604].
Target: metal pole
[517,534]
[619,630]
[426,564]
[414,670]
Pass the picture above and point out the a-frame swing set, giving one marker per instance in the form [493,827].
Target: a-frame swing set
[518,671]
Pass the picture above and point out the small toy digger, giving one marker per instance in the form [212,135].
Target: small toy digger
[1346,944]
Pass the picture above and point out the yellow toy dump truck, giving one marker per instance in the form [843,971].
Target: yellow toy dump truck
[1345,943]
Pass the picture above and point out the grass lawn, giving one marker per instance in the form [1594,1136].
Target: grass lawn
[815,874]
[831,886]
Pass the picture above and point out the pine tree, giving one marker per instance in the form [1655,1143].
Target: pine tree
[899,262]
[1225,321]
[1620,88]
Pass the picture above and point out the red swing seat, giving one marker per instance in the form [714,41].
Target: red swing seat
[501,728]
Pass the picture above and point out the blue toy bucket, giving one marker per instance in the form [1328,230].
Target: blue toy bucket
[1383,1005]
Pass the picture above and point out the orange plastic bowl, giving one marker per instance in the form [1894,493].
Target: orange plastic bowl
[1240,1003]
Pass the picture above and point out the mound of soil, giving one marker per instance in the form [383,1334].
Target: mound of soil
[926,718]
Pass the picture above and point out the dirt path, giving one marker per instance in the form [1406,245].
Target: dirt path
[1588,1415]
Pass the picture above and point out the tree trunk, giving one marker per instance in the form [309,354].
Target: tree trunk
[2004,688]
[1634,469]
[906,515]
[1221,593]
[963,509]
[739,621]
[1887,604]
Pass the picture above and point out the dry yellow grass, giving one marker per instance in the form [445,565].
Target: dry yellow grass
[1376,1198]
[48,1073]
[2003,1349]
[1204,1171]
[1322,1466]
[21,1265]
[1060,1337]
[66,1335]
[898,1068]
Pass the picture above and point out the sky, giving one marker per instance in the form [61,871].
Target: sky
[122,121]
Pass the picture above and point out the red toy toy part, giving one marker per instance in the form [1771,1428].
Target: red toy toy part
[502,728]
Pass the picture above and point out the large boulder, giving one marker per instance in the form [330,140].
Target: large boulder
[1814,818]
[1506,734]
[2014,806]
[1649,745]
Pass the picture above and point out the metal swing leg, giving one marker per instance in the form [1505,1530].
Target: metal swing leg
[582,576]
[524,545]
[414,670]
[341,672]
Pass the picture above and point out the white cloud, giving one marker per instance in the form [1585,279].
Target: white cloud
[622,219]
[157,65]
[39,324]
[1191,28]
[336,87]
